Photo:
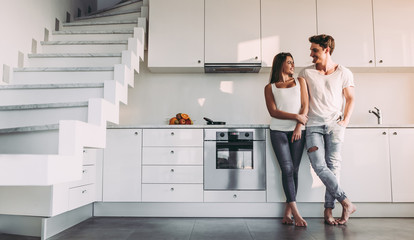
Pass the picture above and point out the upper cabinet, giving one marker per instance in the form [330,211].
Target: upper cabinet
[232,31]
[394,33]
[286,27]
[369,33]
[176,35]
[352,29]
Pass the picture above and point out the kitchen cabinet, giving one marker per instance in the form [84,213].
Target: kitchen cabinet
[176,35]
[402,164]
[366,173]
[352,28]
[394,41]
[284,30]
[232,31]
[172,165]
[122,166]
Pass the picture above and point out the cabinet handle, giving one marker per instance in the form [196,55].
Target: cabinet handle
[84,151]
[235,196]
[172,170]
[172,152]
[83,191]
[384,133]
[380,61]
[394,133]
[256,57]
[370,61]
[172,189]
[84,171]
[172,133]
[199,61]
[136,133]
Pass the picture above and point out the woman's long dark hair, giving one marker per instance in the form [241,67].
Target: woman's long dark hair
[278,60]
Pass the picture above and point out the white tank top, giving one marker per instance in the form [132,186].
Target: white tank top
[287,100]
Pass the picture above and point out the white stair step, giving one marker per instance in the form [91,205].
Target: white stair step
[91,35]
[73,60]
[121,7]
[42,114]
[106,25]
[25,140]
[62,75]
[84,46]
[49,93]
[124,15]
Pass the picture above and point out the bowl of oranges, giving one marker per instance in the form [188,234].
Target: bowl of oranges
[181,119]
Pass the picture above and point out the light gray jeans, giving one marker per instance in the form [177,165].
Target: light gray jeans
[326,158]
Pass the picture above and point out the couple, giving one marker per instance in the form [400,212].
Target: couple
[314,99]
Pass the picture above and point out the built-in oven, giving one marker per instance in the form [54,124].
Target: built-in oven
[234,159]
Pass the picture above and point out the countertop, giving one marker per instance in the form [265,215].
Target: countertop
[202,126]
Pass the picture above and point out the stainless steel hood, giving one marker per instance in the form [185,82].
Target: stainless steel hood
[232,67]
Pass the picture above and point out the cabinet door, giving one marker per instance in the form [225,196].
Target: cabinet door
[402,164]
[173,137]
[286,27]
[365,173]
[122,166]
[394,41]
[351,27]
[232,31]
[176,36]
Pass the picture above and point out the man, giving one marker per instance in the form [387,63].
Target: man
[328,83]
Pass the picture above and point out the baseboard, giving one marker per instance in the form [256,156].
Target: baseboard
[102,209]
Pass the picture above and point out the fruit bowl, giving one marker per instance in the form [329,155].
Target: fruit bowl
[181,119]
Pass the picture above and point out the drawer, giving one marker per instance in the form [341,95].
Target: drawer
[172,174]
[172,155]
[173,137]
[88,176]
[80,196]
[172,192]
[234,196]
[89,156]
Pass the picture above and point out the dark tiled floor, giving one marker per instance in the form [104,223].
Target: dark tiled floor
[111,228]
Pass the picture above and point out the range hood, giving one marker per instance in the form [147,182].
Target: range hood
[232,67]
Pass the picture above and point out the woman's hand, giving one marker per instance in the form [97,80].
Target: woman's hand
[302,118]
[297,133]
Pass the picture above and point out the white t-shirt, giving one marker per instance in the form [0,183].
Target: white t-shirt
[287,100]
[326,100]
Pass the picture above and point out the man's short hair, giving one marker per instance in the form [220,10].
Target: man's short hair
[324,41]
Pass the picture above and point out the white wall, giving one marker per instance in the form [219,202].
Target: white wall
[239,98]
[24,20]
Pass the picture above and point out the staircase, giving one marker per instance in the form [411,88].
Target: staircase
[59,103]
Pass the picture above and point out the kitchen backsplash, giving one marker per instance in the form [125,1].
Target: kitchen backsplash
[239,98]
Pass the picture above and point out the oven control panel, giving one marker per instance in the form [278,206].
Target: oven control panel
[234,136]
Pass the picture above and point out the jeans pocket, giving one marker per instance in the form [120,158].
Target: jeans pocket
[338,133]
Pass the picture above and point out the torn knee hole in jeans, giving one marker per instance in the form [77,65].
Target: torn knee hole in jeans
[313,149]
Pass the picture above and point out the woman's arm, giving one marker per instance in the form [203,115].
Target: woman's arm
[304,99]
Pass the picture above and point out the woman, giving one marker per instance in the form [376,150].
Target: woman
[287,103]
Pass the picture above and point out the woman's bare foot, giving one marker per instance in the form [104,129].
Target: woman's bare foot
[299,221]
[347,209]
[287,218]
[329,219]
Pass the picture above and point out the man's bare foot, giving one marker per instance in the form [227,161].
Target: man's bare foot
[300,222]
[329,219]
[347,209]
[287,218]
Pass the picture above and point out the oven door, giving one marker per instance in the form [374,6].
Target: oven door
[234,165]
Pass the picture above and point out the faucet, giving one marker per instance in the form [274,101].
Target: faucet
[378,114]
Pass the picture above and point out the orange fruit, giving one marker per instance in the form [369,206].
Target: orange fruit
[185,116]
[172,120]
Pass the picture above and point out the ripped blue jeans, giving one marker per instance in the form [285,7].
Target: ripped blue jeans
[323,145]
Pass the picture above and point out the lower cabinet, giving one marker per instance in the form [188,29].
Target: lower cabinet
[122,166]
[172,192]
[235,196]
